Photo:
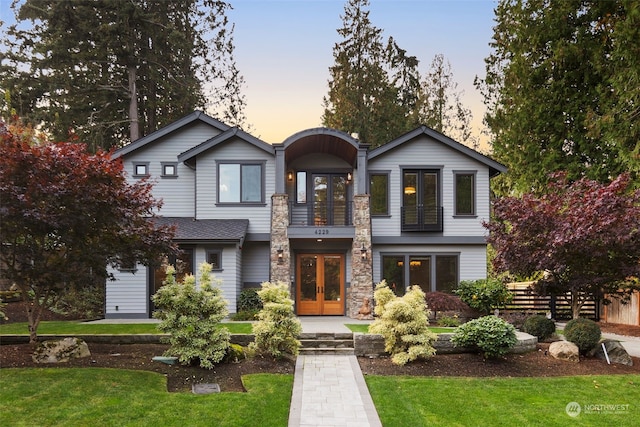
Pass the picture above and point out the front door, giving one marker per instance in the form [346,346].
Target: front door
[320,284]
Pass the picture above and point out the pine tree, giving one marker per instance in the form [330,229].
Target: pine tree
[113,71]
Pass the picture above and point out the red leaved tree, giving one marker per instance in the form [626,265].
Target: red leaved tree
[66,215]
[583,236]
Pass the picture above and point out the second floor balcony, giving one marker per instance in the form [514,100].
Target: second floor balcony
[421,218]
[321,214]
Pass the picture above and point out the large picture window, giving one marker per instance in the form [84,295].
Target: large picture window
[379,191]
[240,183]
[432,272]
[465,193]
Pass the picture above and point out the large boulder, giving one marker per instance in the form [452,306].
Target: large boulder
[564,350]
[615,351]
[56,351]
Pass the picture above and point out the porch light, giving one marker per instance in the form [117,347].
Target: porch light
[363,252]
[349,176]
[280,255]
[290,176]
[409,190]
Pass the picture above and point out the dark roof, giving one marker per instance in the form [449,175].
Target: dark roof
[193,117]
[494,167]
[220,230]
[219,139]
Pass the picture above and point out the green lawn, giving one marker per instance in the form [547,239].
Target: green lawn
[439,401]
[82,328]
[108,397]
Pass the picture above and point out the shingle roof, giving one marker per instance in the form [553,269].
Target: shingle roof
[190,229]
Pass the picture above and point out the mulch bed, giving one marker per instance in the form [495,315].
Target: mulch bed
[229,375]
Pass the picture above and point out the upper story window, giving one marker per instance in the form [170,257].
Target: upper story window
[379,191]
[140,169]
[465,193]
[169,169]
[421,208]
[241,182]
[301,187]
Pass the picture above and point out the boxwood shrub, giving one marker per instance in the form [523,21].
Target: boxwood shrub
[539,326]
[584,333]
[492,336]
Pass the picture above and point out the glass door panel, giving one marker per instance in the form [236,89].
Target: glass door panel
[430,198]
[320,199]
[320,284]
[410,198]
[332,291]
[339,200]
[420,272]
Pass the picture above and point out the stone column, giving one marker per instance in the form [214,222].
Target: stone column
[280,267]
[361,268]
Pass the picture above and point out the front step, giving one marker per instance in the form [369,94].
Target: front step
[327,343]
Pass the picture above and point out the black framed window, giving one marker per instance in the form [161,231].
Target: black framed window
[214,257]
[241,182]
[169,169]
[421,207]
[379,191]
[432,272]
[141,169]
[465,193]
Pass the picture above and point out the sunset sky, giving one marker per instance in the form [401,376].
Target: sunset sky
[284,49]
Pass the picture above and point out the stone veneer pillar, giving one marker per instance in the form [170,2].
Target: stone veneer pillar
[280,269]
[361,269]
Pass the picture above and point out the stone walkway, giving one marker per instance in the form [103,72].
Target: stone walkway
[330,391]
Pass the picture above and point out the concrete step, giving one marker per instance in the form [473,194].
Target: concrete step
[327,351]
[325,343]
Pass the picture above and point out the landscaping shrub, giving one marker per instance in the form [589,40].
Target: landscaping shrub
[584,333]
[191,316]
[491,335]
[484,295]
[277,329]
[442,301]
[81,303]
[248,305]
[403,323]
[539,326]
[449,321]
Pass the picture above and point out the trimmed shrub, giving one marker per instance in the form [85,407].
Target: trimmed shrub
[449,321]
[403,323]
[191,316]
[484,295]
[277,329]
[584,333]
[492,336]
[539,326]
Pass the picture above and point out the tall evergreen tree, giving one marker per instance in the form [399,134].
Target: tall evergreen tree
[361,98]
[440,103]
[114,70]
[549,87]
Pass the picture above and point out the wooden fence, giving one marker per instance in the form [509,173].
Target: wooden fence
[525,300]
[626,314]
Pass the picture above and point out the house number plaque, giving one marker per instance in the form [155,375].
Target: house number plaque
[322,231]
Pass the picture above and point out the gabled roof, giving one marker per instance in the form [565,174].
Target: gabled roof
[186,120]
[223,137]
[494,167]
[198,230]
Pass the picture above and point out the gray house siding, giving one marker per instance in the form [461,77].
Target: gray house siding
[127,295]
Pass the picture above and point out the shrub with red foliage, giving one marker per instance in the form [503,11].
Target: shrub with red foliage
[441,301]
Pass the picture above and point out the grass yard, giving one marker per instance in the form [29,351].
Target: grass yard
[83,328]
[440,401]
[96,396]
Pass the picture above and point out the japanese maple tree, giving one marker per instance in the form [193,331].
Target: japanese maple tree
[583,238]
[67,215]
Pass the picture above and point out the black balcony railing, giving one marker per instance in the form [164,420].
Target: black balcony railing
[320,214]
[421,218]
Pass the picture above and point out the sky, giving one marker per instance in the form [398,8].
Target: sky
[284,49]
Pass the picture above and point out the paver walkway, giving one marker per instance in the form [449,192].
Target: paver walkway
[330,391]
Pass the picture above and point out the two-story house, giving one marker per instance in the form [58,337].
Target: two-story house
[320,211]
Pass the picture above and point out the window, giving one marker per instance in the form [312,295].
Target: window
[128,265]
[169,169]
[465,193]
[379,191]
[214,257]
[432,272]
[240,183]
[301,187]
[421,209]
[141,169]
